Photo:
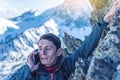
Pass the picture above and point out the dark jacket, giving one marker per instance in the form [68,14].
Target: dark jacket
[65,65]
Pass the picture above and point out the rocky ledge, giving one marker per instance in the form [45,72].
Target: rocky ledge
[105,61]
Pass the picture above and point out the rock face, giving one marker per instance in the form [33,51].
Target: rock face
[80,72]
[71,43]
[106,59]
[105,63]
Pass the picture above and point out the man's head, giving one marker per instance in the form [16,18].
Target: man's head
[49,49]
[53,38]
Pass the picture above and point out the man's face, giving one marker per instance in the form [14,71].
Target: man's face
[47,52]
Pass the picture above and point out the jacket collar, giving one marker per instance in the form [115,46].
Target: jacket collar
[42,69]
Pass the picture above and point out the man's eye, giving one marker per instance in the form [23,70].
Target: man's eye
[48,48]
[40,49]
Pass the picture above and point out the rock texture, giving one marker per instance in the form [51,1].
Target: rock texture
[80,72]
[106,59]
[105,63]
[71,43]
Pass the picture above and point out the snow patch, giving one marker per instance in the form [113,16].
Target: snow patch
[4,24]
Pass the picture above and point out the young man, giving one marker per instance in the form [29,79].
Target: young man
[52,65]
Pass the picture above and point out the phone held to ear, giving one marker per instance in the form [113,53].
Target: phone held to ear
[36,57]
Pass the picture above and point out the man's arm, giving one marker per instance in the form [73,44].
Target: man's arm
[86,47]
[92,41]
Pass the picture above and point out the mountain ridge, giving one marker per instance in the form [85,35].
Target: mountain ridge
[15,49]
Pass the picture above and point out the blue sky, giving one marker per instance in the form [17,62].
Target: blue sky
[9,7]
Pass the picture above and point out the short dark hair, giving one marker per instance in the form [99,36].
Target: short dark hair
[53,38]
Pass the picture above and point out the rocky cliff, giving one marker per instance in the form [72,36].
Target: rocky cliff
[105,61]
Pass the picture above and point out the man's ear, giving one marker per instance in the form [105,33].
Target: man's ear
[59,52]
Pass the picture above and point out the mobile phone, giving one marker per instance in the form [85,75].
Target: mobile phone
[36,57]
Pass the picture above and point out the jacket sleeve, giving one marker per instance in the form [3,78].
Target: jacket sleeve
[91,42]
[22,74]
[87,46]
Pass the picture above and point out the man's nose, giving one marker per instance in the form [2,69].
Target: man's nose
[44,52]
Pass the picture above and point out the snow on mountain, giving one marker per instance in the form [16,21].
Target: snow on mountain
[5,24]
[24,22]
[77,8]
[21,36]
[16,51]
[27,14]
[9,12]
[79,33]
[7,29]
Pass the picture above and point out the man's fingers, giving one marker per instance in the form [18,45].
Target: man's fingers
[112,11]
[34,68]
[115,3]
[37,65]
[114,7]
[30,60]
[30,65]
[31,55]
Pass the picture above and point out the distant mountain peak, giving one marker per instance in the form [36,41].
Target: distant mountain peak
[5,23]
[75,7]
[25,15]
[32,24]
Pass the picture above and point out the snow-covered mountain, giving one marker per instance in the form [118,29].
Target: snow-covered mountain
[20,35]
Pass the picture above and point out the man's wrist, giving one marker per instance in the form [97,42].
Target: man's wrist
[107,18]
[30,68]
[102,23]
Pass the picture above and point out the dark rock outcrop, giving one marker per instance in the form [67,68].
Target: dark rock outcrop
[71,43]
[106,59]
[105,62]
